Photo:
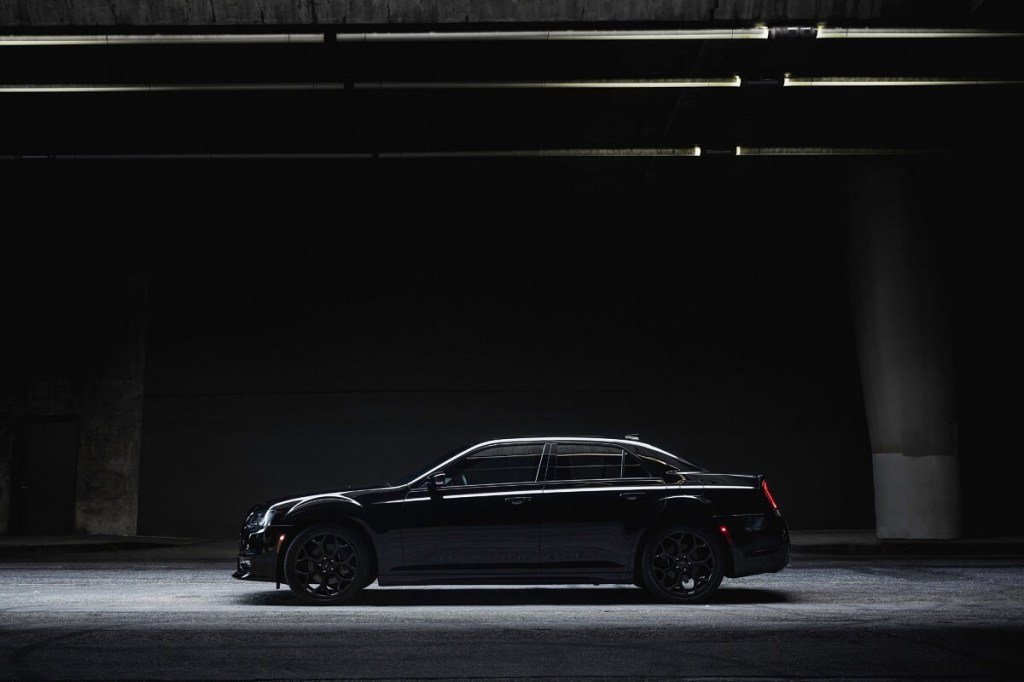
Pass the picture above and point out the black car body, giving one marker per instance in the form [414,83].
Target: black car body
[525,511]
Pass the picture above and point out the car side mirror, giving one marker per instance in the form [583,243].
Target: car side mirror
[673,475]
[436,481]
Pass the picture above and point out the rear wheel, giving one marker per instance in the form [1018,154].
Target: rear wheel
[682,565]
[327,564]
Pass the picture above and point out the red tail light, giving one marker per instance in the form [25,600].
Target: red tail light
[768,494]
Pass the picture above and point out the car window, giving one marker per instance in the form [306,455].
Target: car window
[633,467]
[581,462]
[658,462]
[499,464]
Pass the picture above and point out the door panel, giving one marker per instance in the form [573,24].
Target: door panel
[594,525]
[483,518]
[598,499]
[472,529]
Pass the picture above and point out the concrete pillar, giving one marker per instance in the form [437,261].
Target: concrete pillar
[107,495]
[905,358]
[6,439]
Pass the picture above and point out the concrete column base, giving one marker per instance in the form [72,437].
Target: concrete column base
[916,497]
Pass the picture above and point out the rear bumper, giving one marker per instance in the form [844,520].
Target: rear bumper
[758,543]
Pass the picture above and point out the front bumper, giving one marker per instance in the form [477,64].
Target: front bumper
[259,555]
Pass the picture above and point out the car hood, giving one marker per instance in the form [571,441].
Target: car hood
[347,493]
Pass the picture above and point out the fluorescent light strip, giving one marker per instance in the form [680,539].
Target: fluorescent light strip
[529,153]
[911,33]
[825,151]
[411,85]
[861,82]
[524,153]
[732,82]
[269,156]
[631,84]
[163,39]
[757,33]
[180,87]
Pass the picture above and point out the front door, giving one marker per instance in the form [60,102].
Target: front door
[482,521]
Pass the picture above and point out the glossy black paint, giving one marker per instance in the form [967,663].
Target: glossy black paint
[564,525]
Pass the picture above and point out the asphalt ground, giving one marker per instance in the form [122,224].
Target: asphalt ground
[820,542]
[174,612]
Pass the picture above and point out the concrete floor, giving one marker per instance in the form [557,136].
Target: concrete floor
[157,617]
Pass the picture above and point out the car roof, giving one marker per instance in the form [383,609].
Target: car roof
[544,439]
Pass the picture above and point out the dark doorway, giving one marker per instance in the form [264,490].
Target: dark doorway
[45,473]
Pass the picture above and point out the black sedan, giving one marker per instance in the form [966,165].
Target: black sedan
[554,510]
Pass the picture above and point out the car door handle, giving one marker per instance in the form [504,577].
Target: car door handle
[517,500]
[631,496]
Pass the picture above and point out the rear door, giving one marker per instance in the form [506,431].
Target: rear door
[598,500]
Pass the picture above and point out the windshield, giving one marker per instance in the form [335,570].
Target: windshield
[406,480]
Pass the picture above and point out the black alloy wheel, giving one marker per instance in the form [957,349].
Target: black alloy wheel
[682,565]
[327,564]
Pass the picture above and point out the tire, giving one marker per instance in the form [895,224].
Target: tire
[327,565]
[682,564]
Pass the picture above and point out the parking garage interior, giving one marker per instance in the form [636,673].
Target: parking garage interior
[247,259]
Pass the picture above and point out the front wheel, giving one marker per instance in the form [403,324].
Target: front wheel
[327,564]
[682,565]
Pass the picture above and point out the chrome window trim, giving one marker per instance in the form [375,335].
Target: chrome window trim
[586,489]
[546,441]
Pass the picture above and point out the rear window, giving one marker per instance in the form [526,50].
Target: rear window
[574,462]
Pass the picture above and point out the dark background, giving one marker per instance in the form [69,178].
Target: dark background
[345,312]
[315,324]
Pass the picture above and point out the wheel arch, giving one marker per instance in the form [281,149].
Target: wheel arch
[644,576]
[689,511]
[327,517]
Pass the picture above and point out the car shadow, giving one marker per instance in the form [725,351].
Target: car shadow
[517,596]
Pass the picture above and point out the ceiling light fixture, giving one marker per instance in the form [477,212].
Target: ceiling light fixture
[175,87]
[846,82]
[609,152]
[825,151]
[731,82]
[519,153]
[911,33]
[161,39]
[756,33]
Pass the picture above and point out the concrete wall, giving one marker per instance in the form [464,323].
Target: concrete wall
[456,303]
[308,329]
[125,13]
[5,472]
[77,353]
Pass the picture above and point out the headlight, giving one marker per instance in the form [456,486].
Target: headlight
[258,520]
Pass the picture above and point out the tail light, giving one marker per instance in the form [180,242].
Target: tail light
[768,494]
